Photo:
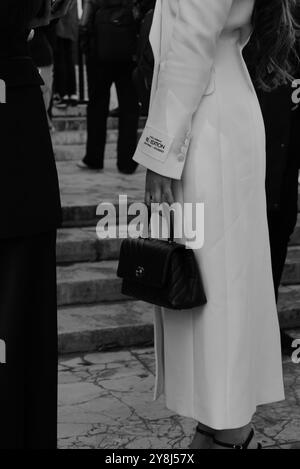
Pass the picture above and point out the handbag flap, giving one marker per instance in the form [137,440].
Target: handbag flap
[146,260]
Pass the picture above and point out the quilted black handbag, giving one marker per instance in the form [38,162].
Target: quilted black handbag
[164,273]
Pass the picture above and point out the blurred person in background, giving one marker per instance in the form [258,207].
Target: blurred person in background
[65,69]
[29,220]
[281,119]
[108,36]
[142,74]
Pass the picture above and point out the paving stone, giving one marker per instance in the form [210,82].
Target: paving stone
[108,357]
[78,392]
[97,415]
[67,430]
[125,379]
[295,445]
[71,362]
[107,410]
[66,377]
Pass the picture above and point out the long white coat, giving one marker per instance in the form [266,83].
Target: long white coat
[205,130]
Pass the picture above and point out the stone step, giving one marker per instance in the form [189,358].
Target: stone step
[79,215]
[82,245]
[78,137]
[88,283]
[289,306]
[84,216]
[64,123]
[291,274]
[130,323]
[295,240]
[294,334]
[70,112]
[82,191]
[91,282]
[77,152]
[105,326]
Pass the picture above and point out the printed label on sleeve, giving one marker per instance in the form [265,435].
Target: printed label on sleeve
[155,144]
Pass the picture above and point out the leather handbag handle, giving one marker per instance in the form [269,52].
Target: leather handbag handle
[171,234]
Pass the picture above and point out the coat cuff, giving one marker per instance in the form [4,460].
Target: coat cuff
[162,153]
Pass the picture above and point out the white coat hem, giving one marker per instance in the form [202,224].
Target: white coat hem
[224,424]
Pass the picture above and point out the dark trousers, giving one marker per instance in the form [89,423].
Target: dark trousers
[64,70]
[282,221]
[28,325]
[101,76]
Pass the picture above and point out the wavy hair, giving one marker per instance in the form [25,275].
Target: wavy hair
[273,51]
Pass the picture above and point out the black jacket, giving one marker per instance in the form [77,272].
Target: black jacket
[277,112]
[29,192]
[281,139]
[40,47]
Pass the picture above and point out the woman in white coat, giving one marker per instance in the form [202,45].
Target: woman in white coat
[204,142]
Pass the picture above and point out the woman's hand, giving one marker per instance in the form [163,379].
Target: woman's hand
[158,189]
[46,15]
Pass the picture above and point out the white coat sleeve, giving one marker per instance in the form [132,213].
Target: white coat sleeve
[182,81]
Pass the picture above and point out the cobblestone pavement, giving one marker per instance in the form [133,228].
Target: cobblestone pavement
[106,401]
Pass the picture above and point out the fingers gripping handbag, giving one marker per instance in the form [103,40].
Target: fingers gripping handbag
[164,273]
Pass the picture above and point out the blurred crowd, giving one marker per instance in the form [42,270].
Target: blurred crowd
[104,41]
[53,49]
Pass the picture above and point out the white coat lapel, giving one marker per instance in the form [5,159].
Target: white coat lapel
[155,41]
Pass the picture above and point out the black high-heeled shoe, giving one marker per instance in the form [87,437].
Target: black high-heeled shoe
[235,446]
[203,432]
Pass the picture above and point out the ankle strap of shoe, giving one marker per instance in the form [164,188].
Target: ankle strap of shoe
[203,432]
[235,446]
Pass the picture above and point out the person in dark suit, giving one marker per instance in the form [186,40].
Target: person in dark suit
[102,73]
[281,174]
[64,70]
[30,215]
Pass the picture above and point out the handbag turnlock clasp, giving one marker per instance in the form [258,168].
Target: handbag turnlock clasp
[140,272]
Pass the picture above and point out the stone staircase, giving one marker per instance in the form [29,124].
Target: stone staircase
[93,314]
